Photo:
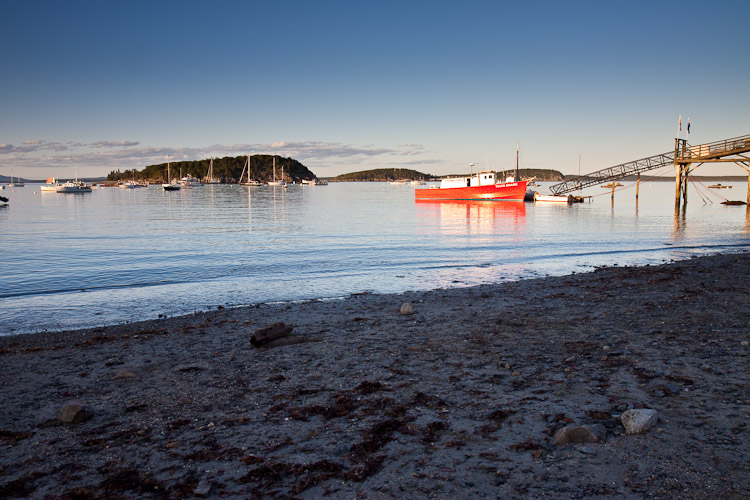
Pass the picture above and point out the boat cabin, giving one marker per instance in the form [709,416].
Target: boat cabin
[487,178]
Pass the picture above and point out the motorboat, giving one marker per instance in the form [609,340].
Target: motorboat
[480,186]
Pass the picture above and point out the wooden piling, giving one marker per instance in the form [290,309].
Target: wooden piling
[637,186]
[678,176]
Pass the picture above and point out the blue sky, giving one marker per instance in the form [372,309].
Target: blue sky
[346,86]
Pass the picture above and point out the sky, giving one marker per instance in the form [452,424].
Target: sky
[344,86]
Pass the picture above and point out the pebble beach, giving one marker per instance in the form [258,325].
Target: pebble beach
[520,390]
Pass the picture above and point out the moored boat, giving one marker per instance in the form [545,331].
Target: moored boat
[75,186]
[170,185]
[210,179]
[190,181]
[552,198]
[480,186]
[18,183]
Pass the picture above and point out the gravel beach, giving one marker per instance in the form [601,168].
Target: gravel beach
[517,390]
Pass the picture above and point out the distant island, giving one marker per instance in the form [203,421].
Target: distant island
[382,174]
[227,170]
[392,174]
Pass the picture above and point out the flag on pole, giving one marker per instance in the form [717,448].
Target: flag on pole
[680,123]
[688,127]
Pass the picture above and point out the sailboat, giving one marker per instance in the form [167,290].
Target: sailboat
[210,176]
[275,182]
[249,182]
[170,186]
[16,184]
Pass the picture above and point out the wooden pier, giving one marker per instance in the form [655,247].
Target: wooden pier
[685,158]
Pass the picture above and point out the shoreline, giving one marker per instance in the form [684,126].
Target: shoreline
[462,398]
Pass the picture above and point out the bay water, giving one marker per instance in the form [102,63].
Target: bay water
[75,261]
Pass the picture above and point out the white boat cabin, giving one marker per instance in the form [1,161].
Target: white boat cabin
[479,179]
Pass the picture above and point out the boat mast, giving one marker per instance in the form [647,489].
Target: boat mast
[517,179]
[274,169]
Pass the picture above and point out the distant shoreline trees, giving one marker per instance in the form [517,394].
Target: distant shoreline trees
[227,170]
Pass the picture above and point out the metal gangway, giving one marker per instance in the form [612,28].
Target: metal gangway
[683,154]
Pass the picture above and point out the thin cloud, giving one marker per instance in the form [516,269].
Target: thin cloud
[112,155]
[113,144]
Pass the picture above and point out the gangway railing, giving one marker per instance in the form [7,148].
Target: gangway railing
[713,150]
[614,173]
[685,155]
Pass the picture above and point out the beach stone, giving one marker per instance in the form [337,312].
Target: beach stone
[407,308]
[595,433]
[203,489]
[75,413]
[639,420]
[125,374]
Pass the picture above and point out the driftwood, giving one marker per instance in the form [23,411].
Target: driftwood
[270,333]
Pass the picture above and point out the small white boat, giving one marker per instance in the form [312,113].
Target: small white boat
[131,185]
[552,198]
[190,181]
[51,185]
[76,186]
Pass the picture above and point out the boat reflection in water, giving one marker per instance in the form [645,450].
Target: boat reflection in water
[480,215]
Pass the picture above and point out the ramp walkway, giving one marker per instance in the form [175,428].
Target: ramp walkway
[684,154]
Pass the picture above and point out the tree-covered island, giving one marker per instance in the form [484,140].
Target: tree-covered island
[227,170]
[392,174]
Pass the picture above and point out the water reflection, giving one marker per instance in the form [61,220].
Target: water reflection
[476,216]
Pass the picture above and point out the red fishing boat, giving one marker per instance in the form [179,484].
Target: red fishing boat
[480,186]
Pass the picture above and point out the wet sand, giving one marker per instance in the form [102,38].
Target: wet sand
[462,398]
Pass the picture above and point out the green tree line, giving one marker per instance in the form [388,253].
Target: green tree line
[383,174]
[227,170]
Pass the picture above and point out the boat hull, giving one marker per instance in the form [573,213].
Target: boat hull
[544,198]
[500,191]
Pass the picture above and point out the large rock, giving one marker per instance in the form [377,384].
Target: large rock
[75,413]
[639,420]
[595,433]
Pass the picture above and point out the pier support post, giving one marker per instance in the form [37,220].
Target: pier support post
[677,176]
[677,186]
[637,186]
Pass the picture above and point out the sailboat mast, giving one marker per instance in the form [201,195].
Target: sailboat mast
[274,169]
[517,161]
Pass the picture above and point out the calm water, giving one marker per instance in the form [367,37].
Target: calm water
[115,255]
